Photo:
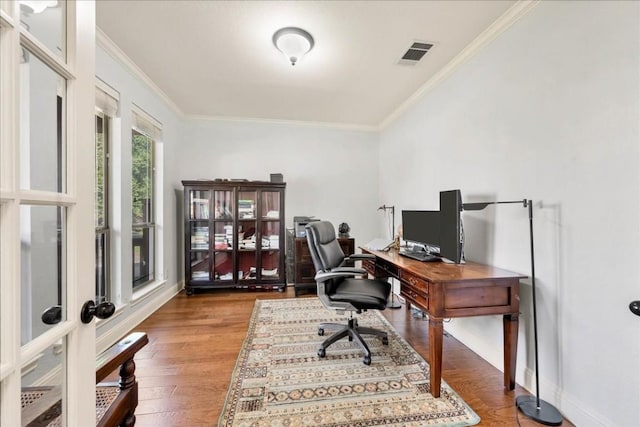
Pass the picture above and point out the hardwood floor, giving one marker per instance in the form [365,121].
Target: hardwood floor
[184,371]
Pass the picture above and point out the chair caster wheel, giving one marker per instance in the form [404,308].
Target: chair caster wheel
[367,360]
[322,352]
[320,331]
[385,341]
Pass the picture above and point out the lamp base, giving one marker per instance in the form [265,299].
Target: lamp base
[393,302]
[546,414]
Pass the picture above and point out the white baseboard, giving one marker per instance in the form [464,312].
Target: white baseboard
[568,405]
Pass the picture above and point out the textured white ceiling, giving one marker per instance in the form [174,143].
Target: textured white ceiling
[216,58]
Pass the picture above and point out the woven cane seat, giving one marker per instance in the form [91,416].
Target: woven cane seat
[41,406]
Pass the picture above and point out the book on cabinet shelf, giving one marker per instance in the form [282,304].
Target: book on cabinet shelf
[200,238]
[200,208]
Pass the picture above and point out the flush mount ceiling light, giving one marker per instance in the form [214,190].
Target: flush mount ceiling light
[293,42]
[39,6]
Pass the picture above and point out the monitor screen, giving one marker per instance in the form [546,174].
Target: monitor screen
[450,226]
[422,227]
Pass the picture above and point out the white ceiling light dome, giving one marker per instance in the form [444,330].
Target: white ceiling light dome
[38,6]
[293,42]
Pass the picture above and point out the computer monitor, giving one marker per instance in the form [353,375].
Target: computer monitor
[450,225]
[422,228]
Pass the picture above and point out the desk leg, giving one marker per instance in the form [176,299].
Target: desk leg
[435,355]
[510,326]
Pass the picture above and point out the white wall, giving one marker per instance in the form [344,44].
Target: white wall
[548,111]
[331,174]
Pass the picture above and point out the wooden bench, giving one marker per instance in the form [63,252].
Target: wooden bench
[115,402]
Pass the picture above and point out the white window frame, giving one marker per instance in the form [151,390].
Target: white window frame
[144,123]
[107,103]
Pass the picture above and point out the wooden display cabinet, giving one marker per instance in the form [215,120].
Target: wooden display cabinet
[234,234]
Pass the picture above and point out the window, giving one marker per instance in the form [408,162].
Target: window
[106,108]
[142,194]
[102,208]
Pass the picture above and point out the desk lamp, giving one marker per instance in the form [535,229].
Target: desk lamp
[392,303]
[532,407]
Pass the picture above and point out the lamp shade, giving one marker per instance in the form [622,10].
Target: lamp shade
[293,42]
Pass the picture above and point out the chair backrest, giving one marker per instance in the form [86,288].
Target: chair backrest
[325,250]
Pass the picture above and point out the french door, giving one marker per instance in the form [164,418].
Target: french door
[47,267]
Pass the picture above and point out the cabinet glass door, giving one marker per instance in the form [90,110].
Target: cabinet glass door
[199,209]
[271,239]
[199,204]
[223,237]
[247,235]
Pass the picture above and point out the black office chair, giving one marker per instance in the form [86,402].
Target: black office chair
[342,288]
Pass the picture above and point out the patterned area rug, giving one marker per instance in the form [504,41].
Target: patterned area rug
[280,381]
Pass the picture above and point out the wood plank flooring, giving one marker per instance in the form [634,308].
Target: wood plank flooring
[184,371]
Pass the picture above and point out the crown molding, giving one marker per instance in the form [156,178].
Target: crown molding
[103,41]
[327,125]
[515,12]
[114,51]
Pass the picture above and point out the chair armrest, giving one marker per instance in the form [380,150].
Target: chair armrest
[360,257]
[323,277]
[356,271]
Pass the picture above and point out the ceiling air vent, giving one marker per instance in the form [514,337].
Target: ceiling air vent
[415,53]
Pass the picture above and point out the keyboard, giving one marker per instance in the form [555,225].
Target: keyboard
[420,256]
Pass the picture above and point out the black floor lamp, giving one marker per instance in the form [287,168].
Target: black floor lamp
[392,303]
[531,406]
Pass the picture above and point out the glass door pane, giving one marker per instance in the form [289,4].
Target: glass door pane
[45,20]
[199,236]
[271,238]
[199,204]
[222,251]
[198,213]
[42,129]
[42,391]
[270,250]
[270,205]
[200,266]
[223,204]
[42,261]
[247,235]
[223,237]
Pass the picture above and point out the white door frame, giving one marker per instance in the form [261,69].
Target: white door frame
[78,69]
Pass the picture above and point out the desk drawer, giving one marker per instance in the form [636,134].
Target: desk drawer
[370,267]
[416,297]
[374,270]
[414,282]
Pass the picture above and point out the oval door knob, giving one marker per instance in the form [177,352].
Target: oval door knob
[635,307]
[52,315]
[103,310]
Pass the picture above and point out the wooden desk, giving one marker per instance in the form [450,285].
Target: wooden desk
[445,290]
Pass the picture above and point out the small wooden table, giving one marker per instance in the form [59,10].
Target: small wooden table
[444,290]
